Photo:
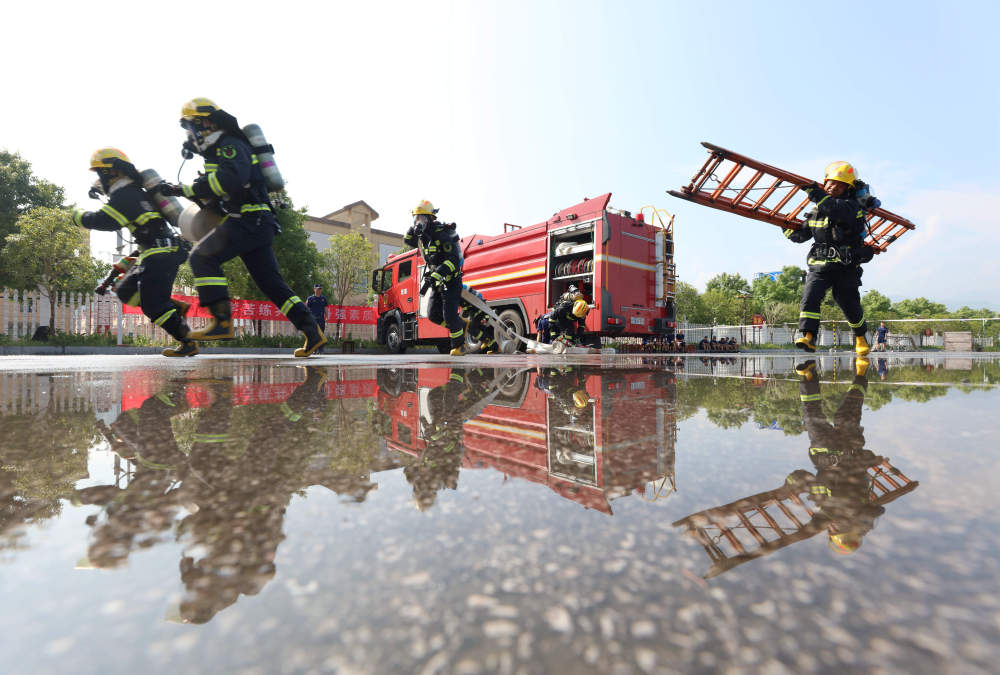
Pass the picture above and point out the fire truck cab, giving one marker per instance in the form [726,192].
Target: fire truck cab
[623,265]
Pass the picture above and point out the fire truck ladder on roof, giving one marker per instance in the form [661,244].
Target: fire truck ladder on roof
[761,524]
[778,199]
[661,219]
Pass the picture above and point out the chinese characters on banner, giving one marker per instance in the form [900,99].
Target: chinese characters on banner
[262,310]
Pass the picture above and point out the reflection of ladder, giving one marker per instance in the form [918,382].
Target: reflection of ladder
[761,524]
[664,258]
[781,190]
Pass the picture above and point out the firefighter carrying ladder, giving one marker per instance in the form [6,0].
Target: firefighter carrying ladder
[782,200]
[759,525]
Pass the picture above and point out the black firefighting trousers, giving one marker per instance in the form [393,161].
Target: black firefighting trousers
[845,281]
[151,279]
[250,237]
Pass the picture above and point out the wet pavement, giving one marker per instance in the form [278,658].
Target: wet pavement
[360,514]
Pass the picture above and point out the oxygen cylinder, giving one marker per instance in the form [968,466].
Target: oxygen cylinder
[265,157]
[169,207]
[195,222]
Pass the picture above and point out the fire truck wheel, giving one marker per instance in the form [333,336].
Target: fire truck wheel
[394,338]
[512,319]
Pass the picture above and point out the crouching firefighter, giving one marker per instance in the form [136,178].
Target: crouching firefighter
[148,282]
[568,320]
[837,228]
[478,325]
[234,181]
[442,252]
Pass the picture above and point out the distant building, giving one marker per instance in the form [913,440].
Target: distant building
[355,217]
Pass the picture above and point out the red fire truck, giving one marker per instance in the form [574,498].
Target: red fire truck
[574,439]
[623,264]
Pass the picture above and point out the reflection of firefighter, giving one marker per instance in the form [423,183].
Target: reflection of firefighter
[442,251]
[242,491]
[148,504]
[844,497]
[841,486]
[448,407]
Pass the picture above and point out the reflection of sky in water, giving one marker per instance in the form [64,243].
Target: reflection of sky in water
[510,568]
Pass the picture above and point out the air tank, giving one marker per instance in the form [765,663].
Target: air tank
[195,222]
[265,158]
[169,207]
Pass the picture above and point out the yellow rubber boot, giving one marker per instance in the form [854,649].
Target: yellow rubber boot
[314,340]
[185,348]
[806,371]
[221,325]
[861,366]
[861,347]
[806,342]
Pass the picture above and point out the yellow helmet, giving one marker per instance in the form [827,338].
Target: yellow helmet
[580,309]
[106,158]
[424,208]
[845,543]
[841,171]
[580,398]
[198,107]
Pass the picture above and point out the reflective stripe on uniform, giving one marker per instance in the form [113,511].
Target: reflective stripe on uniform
[146,217]
[210,281]
[215,186]
[820,202]
[163,317]
[289,414]
[819,223]
[165,400]
[134,300]
[210,438]
[153,251]
[858,324]
[808,315]
[115,215]
[211,167]
[809,397]
[456,377]
[253,159]
[289,303]
[821,490]
[249,208]
[188,190]
[819,451]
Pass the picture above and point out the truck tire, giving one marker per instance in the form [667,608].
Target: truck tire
[512,318]
[394,338]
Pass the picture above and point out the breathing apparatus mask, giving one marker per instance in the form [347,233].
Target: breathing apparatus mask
[200,137]
[422,223]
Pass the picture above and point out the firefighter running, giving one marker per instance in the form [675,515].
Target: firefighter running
[148,282]
[234,181]
[837,226]
[442,252]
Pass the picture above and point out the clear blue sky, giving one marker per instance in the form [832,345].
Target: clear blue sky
[509,111]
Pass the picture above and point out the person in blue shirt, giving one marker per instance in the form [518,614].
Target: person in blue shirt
[882,332]
[317,304]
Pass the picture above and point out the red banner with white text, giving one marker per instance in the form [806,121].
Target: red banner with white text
[264,310]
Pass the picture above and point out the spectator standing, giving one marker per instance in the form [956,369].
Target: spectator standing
[881,333]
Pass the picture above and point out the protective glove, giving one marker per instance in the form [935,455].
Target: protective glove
[438,280]
[168,190]
[814,192]
[95,192]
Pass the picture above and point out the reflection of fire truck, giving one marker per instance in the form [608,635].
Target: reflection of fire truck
[588,449]
[623,265]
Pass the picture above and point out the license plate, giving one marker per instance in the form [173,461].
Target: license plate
[637,320]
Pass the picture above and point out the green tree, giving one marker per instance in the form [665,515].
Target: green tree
[689,305]
[347,264]
[728,284]
[21,191]
[875,304]
[722,308]
[918,308]
[50,253]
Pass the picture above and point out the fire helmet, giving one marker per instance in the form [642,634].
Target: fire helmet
[841,171]
[108,158]
[580,309]
[845,543]
[423,208]
[580,398]
[198,108]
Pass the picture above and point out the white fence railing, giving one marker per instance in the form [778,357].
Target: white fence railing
[23,312]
